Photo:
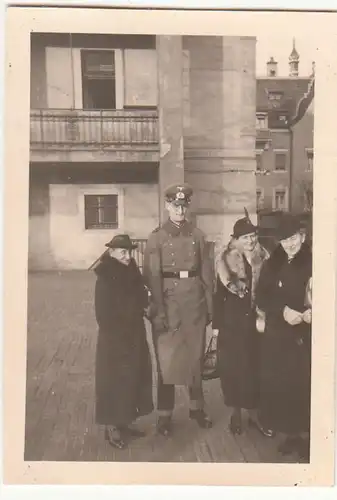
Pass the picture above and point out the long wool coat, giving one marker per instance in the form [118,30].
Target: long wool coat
[123,364]
[184,305]
[285,357]
[235,317]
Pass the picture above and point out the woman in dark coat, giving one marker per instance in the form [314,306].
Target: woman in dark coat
[123,364]
[284,295]
[234,321]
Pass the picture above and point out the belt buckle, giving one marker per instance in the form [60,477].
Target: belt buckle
[183,274]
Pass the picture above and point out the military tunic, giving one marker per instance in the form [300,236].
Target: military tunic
[181,306]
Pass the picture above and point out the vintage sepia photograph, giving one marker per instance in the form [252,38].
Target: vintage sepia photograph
[169,266]
[150,147]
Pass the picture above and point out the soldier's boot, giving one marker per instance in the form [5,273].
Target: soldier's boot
[201,418]
[164,425]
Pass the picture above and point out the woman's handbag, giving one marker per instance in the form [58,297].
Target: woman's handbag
[210,361]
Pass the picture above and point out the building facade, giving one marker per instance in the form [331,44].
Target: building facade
[284,146]
[114,119]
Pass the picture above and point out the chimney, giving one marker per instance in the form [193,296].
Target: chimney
[272,67]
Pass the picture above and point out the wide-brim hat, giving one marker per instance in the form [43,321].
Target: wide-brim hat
[243,226]
[121,241]
[288,226]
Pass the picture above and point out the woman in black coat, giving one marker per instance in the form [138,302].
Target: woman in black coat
[234,322]
[123,364]
[284,296]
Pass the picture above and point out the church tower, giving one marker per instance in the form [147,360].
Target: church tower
[294,60]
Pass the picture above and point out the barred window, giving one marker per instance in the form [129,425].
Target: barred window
[101,211]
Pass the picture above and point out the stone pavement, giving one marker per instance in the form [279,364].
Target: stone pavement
[60,391]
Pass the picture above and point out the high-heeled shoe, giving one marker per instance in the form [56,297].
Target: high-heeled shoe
[235,425]
[114,438]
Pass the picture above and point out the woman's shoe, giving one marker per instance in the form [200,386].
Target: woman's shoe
[201,418]
[164,426]
[263,430]
[289,445]
[114,438]
[133,432]
[235,425]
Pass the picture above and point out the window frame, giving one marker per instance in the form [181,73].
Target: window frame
[286,198]
[310,159]
[261,191]
[119,75]
[283,152]
[102,190]
[100,206]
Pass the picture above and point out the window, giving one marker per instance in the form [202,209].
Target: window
[101,211]
[310,160]
[280,199]
[98,79]
[261,121]
[280,161]
[259,199]
[275,95]
[259,162]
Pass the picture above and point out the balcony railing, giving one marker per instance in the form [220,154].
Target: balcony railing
[94,129]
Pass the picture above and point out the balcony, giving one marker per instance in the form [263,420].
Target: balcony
[81,135]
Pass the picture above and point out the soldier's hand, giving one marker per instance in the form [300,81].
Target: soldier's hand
[160,325]
[215,332]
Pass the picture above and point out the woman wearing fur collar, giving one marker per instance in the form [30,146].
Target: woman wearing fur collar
[284,294]
[234,321]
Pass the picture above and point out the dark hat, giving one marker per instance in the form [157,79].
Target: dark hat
[288,226]
[179,194]
[243,226]
[121,241]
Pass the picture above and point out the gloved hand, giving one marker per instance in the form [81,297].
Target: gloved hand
[260,320]
[291,316]
[238,288]
[307,316]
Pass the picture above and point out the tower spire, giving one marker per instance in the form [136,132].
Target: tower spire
[294,60]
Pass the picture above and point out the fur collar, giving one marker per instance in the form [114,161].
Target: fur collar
[110,267]
[231,268]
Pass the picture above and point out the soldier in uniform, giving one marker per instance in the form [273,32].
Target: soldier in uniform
[178,271]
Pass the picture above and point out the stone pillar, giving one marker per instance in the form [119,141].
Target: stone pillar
[220,141]
[240,103]
[170,107]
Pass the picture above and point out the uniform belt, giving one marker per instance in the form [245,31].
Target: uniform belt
[180,274]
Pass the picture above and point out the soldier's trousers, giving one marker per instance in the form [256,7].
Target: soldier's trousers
[166,397]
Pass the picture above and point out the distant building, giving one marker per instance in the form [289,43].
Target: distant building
[284,144]
[116,118]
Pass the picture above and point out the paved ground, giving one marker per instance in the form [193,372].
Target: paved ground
[60,391]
